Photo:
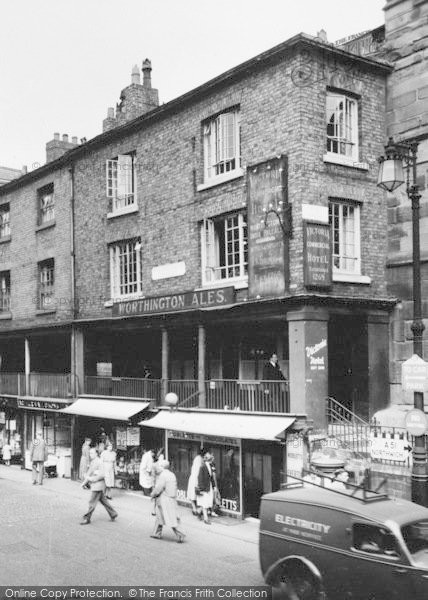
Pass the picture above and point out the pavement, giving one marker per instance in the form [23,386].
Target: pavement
[42,543]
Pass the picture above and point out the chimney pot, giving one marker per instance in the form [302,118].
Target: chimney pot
[110,113]
[24,169]
[135,76]
[83,140]
[74,140]
[65,137]
[56,137]
[147,78]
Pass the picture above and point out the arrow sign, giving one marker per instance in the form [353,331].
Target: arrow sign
[408,448]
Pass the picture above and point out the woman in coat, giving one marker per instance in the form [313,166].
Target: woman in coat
[193,481]
[85,458]
[205,492]
[108,457]
[7,454]
[165,492]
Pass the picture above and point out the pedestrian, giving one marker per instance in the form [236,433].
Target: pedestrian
[271,370]
[7,454]
[165,492]
[146,477]
[95,480]
[38,456]
[214,512]
[108,457]
[205,488]
[193,480]
[147,372]
[84,459]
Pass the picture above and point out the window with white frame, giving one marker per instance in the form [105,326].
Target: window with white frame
[46,204]
[120,182]
[46,284]
[222,145]
[125,268]
[4,291]
[4,220]
[344,218]
[224,248]
[342,126]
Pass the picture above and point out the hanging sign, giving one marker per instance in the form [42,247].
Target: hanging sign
[317,255]
[414,375]
[267,242]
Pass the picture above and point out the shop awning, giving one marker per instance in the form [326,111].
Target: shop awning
[227,424]
[119,410]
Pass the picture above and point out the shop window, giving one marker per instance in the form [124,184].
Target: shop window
[46,284]
[4,291]
[224,247]
[121,184]
[342,127]
[221,139]
[344,219]
[4,221]
[126,269]
[46,205]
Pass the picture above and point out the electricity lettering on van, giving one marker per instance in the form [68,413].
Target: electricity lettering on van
[302,523]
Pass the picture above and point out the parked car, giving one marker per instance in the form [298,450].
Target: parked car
[321,543]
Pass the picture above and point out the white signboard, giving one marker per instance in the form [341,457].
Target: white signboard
[414,375]
[390,447]
[295,455]
[133,436]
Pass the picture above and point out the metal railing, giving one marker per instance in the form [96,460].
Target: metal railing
[48,385]
[250,396]
[128,387]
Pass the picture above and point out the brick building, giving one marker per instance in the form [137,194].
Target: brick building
[194,239]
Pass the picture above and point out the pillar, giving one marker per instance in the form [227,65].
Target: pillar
[201,366]
[308,345]
[27,366]
[165,358]
[378,361]
[77,362]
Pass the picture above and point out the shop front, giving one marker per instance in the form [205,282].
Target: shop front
[112,420]
[47,416]
[249,452]
[11,428]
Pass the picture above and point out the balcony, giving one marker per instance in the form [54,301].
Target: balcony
[44,385]
[220,394]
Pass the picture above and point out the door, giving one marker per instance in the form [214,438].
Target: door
[348,362]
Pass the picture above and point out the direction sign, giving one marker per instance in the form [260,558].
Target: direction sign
[416,422]
[414,375]
[391,447]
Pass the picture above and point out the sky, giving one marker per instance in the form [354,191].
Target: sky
[64,62]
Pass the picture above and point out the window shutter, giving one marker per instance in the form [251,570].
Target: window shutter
[111,178]
[124,176]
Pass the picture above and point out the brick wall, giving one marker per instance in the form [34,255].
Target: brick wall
[277,117]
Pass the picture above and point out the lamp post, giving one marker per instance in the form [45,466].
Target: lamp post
[391,176]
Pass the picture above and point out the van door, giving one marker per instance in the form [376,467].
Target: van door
[380,570]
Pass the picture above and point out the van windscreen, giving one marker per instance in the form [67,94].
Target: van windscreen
[416,536]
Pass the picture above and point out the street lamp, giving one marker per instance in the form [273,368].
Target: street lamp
[391,176]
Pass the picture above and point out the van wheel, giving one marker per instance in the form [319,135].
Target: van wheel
[296,587]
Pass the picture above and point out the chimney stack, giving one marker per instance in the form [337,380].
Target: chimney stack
[322,35]
[57,147]
[135,100]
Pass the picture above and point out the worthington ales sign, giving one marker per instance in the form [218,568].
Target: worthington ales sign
[175,302]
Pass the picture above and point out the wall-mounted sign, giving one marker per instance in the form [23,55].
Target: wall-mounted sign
[41,404]
[104,369]
[316,356]
[133,436]
[175,302]
[317,255]
[414,374]
[267,242]
[195,437]
[121,439]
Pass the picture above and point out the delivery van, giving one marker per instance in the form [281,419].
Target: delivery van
[319,543]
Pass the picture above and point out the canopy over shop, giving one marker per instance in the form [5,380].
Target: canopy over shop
[249,451]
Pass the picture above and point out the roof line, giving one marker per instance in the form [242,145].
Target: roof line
[177,103]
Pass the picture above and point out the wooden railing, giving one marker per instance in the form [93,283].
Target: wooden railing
[45,385]
[123,386]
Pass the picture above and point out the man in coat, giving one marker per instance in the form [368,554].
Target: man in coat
[38,456]
[165,491]
[95,479]
[272,372]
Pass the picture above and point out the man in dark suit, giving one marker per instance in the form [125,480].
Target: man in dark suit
[273,392]
[271,371]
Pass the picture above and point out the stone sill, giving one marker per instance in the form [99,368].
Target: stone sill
[46,225]
[46,311]
[221,179]
[351,278]
[5,239]
[345,162]
[127,210]
[5,316]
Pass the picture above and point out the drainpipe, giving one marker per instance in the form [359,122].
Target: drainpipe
[74,384]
